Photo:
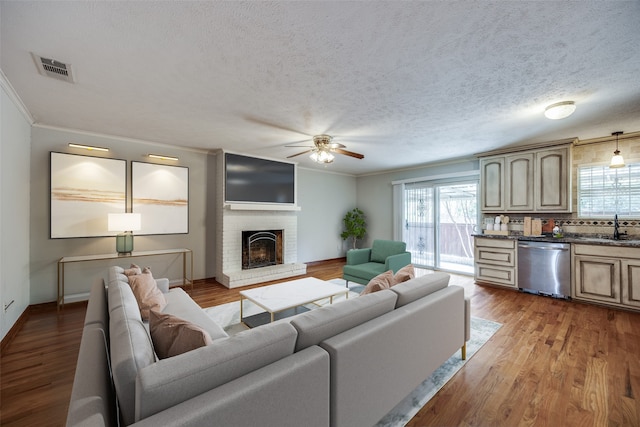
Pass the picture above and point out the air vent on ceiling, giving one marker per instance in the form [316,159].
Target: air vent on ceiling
[52,68]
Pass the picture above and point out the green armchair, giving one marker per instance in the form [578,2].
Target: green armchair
[365,264]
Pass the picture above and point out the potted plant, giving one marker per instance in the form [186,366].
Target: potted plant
[355,225]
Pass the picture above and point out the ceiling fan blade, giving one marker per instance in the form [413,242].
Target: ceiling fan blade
[299,154]
[303,146]
[348,153]
[335,145]
[273,125]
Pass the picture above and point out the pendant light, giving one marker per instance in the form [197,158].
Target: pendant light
[617,161]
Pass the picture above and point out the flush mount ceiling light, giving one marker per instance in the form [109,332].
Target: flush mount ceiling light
[617,161]
[560,110]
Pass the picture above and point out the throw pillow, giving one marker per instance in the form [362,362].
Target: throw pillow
[405,273]
[147,294]
[172,335]
[133,270]
[378,283]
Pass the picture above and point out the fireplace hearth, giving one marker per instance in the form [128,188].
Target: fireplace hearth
[261,248]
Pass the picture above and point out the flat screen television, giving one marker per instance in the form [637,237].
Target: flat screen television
[255,180]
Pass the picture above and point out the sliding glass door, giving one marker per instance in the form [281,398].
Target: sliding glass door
[439,219]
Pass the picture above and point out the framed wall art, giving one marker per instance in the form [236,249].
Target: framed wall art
[161,196]
[83,191]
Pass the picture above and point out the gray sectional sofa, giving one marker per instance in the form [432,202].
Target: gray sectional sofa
[345,364]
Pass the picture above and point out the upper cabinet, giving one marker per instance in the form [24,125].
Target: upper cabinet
[553,180]
[519,182]
[537,180]
[492,184]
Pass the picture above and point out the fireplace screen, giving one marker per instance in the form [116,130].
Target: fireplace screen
[261,248]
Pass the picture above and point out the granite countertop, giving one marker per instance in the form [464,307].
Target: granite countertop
[588,239]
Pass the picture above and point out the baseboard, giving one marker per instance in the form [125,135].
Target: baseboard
[341,259]
[14,329]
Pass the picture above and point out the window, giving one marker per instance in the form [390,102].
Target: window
[604,192]
[439,218]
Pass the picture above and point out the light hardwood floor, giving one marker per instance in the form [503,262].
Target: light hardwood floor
[552,363]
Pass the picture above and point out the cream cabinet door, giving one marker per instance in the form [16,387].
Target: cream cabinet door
[519,183]
[553,180]
[597,278]
[492,184]
[631,282]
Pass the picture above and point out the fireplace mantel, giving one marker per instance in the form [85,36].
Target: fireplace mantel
[260,207]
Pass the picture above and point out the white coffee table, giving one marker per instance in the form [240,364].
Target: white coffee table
[287,298]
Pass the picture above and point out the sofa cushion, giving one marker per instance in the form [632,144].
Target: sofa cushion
[379,283]
[116,273]
[419,287]
[180,304]
[132,271]
[367,271]
[172,335]
[147,294]
[405,273]
[381,249]
[177,379]
[120,295]
[324,322]
[131,350]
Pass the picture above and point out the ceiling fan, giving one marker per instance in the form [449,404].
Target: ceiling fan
[323,148]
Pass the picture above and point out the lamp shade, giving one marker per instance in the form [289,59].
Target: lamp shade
[617,161]
[125,221]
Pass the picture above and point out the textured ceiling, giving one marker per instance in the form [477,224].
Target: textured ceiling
[404,83]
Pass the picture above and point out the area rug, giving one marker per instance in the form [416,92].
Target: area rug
[228,316]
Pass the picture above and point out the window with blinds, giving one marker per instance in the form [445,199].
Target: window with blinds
[604,192]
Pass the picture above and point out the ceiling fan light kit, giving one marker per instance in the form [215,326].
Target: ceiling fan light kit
[322,157]
[560,110]
[323,149]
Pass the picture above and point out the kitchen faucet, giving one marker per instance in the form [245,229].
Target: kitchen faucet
[616,231]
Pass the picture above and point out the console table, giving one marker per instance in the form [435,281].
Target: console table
[69,259]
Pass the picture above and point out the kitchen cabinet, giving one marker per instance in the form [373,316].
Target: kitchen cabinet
[492,184]
[519,182]
[530,181]
[630,270]
[553,180]
[495,261]
[606,274]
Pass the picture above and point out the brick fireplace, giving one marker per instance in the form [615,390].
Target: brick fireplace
[233,220]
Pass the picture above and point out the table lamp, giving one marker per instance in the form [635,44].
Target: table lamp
[126,224]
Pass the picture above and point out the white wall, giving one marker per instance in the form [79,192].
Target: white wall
[325,198]
[14,211]
[46,252]
[375,194]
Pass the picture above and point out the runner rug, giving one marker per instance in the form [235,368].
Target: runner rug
[228,316]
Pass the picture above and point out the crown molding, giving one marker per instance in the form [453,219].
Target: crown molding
[119,138]
[520,148]
[15,98]
[609,138]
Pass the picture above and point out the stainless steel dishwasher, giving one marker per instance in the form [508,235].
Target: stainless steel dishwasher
[544,268]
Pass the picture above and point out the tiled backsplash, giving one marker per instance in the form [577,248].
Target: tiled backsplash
[576,225]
